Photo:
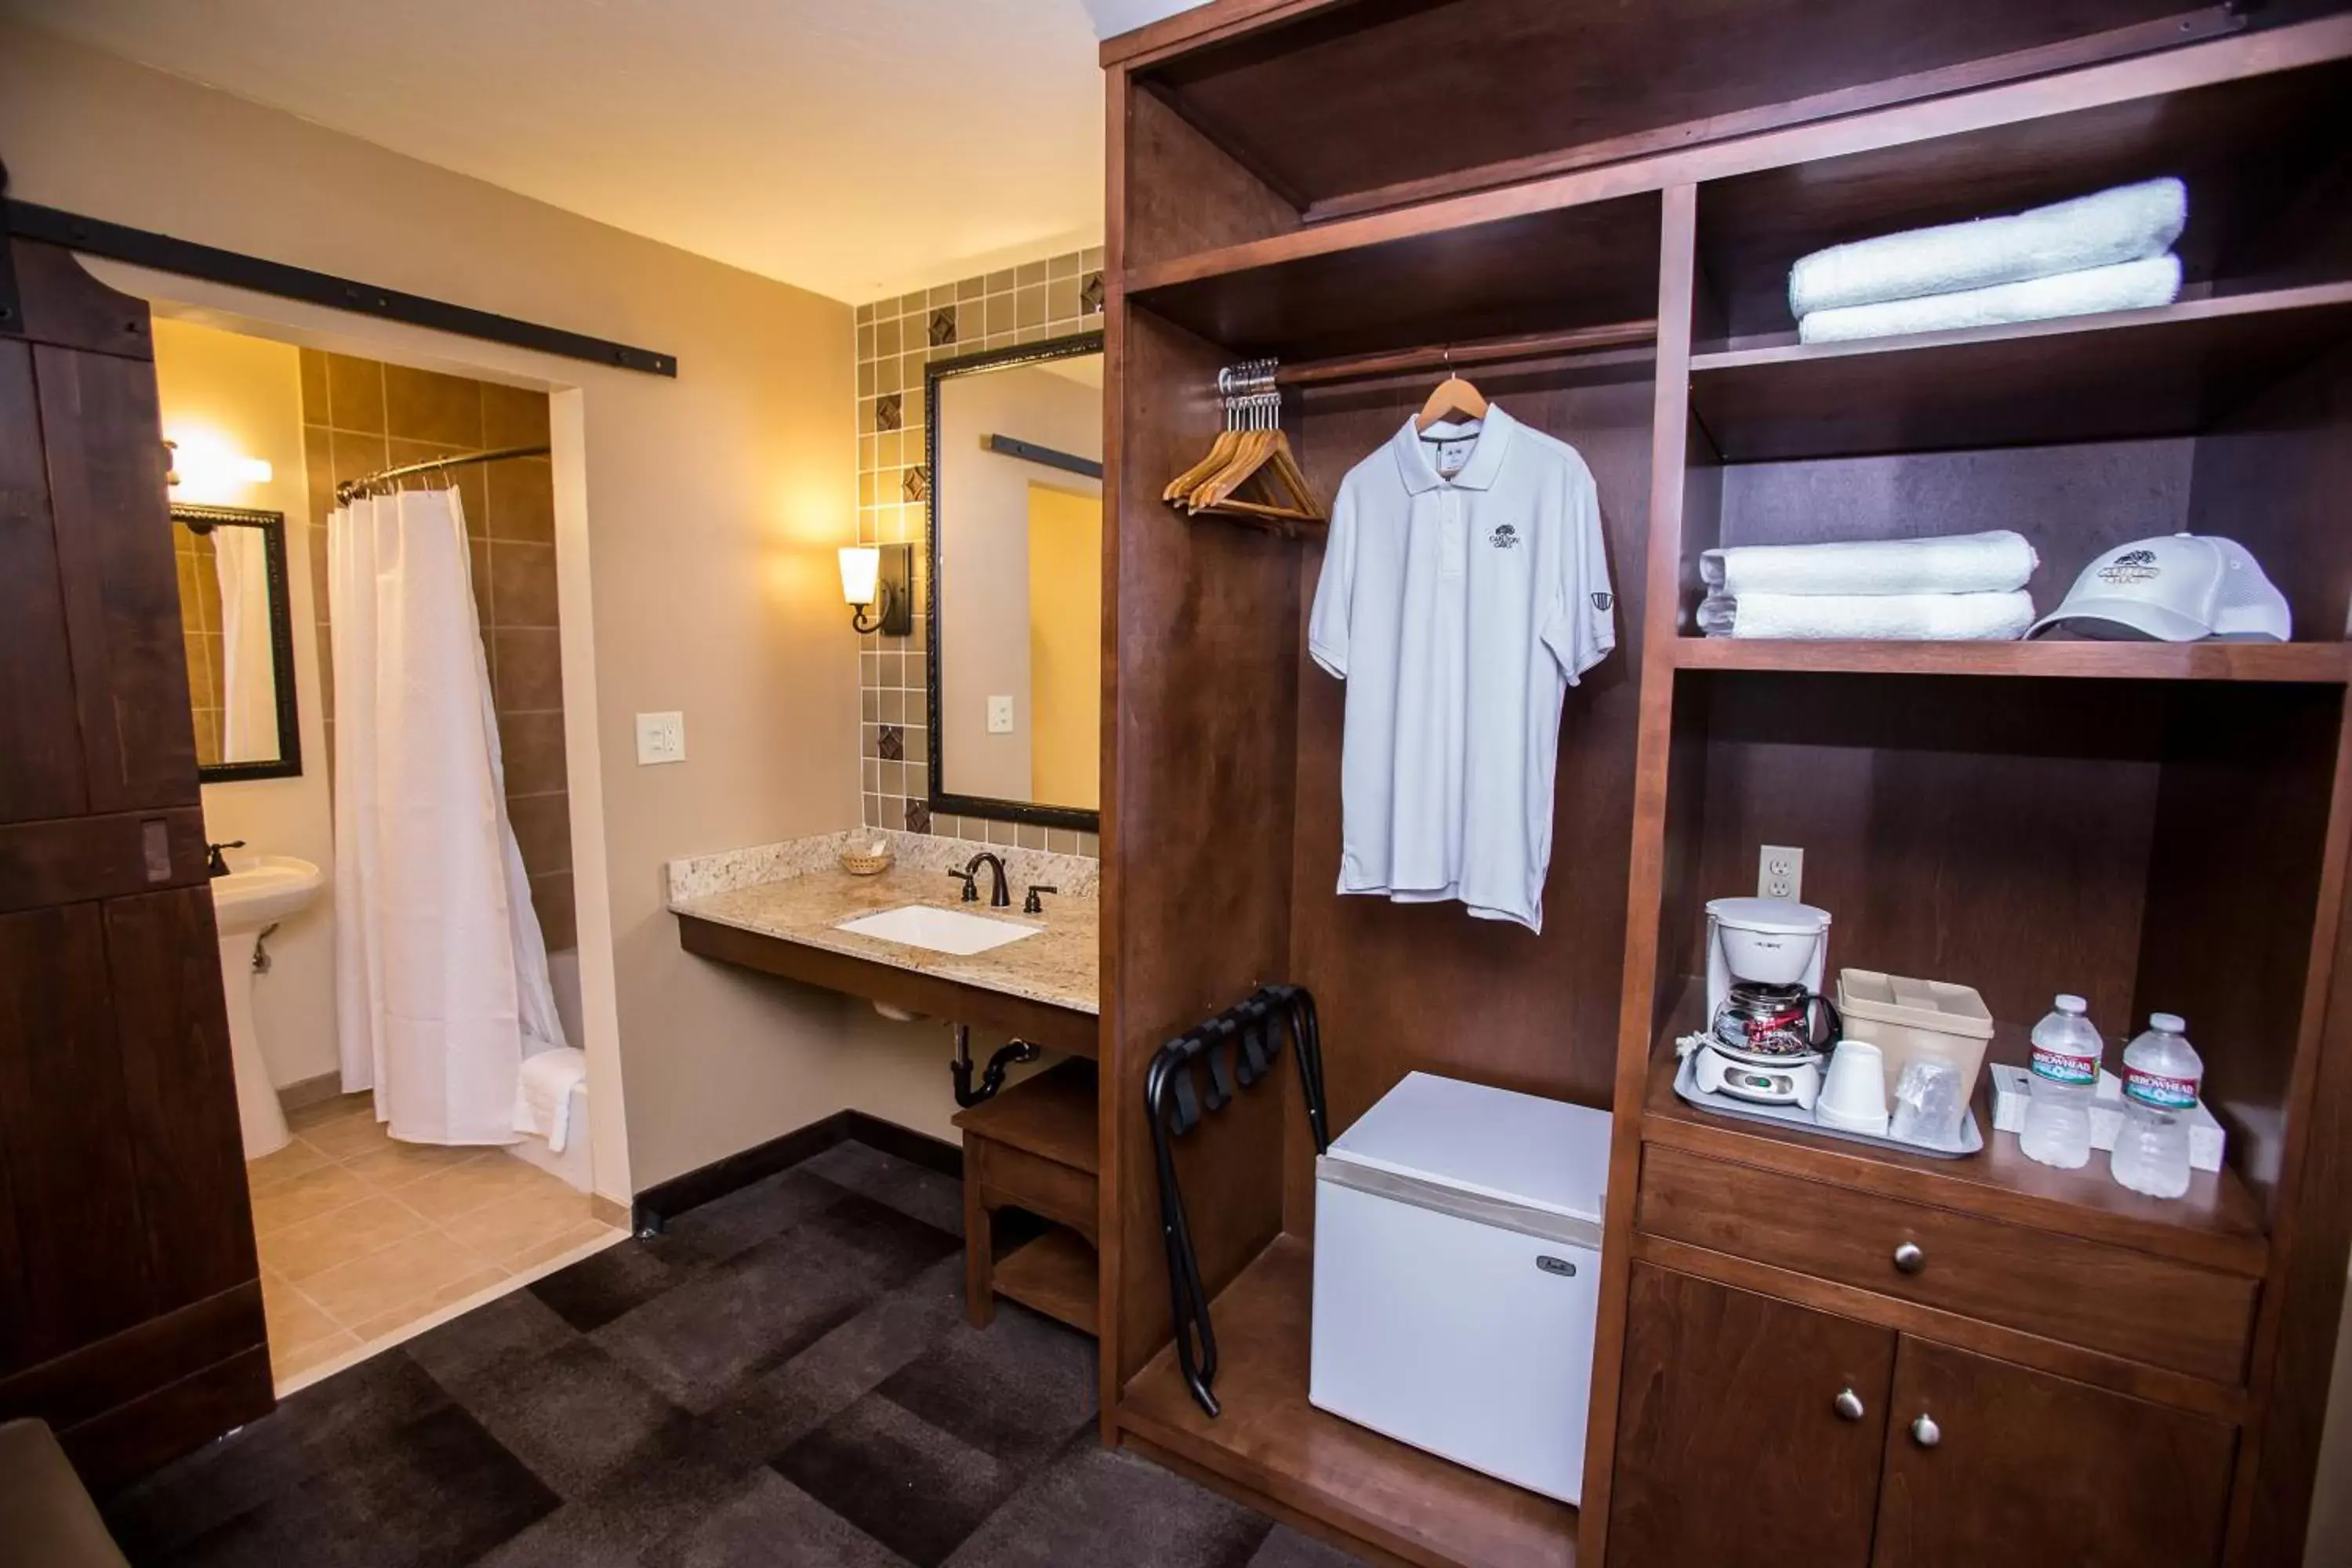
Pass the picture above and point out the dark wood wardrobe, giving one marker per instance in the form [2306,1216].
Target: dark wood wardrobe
[129,1297]
[1596,206]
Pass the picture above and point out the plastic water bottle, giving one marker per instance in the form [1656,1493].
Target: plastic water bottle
[2065,1078]
[2161,1075]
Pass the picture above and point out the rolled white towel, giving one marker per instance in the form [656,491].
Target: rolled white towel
[543,1094]
[2126,286]
[2128,223]
[1990,562]
[1885,617]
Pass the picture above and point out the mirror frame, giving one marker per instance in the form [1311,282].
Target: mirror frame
[272,524]
[1074,346]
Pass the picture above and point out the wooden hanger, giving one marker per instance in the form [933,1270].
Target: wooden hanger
[1250,471]
[1454,399]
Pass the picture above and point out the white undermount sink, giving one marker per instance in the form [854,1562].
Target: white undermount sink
[941,930]
[263,889]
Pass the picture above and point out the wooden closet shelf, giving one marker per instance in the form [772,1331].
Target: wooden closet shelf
[2218,1225]
[2306,663]
[1272,1441]
[2171,371]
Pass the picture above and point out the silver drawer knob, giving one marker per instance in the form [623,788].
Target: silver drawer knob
[1908,1258]
[1849,1404]
[1926,1433]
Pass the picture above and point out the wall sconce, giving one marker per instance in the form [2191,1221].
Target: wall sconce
[880,578]
[210,469]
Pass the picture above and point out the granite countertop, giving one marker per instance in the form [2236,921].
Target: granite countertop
[796,892]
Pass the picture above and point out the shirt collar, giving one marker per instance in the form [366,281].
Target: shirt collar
[1421,475]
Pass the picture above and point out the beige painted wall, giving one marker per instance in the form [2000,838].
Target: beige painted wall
[696,522]
[250,391]
[1065,530]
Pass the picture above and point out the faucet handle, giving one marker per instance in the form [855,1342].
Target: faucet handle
[1031,906]
[969,879]
[216,863]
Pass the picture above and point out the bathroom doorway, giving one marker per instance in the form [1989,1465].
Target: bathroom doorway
[366,1238]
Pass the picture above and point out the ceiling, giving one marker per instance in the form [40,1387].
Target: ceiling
[858,147]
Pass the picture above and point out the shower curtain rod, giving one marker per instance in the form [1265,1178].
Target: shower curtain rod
[351,490]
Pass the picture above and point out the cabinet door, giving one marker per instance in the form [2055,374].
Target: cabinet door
[1992,1463]
[1736,1440]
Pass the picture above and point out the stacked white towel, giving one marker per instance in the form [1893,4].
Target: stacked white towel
[2109,251]
[1968,587]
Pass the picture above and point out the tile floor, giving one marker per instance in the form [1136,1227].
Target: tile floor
[362,1238]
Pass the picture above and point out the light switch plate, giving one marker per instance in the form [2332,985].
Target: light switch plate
[1000,715]
[661,738]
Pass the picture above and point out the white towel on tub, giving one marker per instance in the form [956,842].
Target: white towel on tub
[543,1094]
[2126,286]
[1989,563]
[1884,617]
[2128,223]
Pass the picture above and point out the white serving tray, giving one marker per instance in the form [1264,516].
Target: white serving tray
[1969,1141]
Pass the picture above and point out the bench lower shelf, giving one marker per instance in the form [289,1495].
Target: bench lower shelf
[1055,1275]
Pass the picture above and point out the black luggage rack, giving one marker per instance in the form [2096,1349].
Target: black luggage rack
[1240,1046]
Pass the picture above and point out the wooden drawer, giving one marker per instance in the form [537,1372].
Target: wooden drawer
[1032,1181]
[2085,1293]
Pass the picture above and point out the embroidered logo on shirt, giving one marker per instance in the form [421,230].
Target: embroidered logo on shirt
[1505,537]
[1603,601]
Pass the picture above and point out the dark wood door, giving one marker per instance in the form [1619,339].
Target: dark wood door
[129,1302]
[2027,1468]
[1749,1431]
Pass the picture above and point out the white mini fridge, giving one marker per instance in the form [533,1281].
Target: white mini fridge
[1458,1274]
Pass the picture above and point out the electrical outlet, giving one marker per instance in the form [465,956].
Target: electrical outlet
[1780,872]
[1000,715]
[661,738]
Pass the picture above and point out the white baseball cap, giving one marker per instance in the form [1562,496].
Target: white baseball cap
[2180,588]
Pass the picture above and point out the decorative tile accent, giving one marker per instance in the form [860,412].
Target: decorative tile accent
[1050,299]
[890,744]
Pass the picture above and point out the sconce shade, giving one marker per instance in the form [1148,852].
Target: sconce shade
[861,568]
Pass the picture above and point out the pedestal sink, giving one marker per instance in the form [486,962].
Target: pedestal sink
[260,892]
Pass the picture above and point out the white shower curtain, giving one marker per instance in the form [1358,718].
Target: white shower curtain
[248,674]
[440,969]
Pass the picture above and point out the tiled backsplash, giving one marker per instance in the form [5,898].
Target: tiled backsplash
[359,417]
[895,338]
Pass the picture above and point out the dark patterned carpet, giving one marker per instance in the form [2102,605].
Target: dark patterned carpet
[784,1378]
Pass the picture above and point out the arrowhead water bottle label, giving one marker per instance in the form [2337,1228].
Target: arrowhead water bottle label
[2064,1067]
[2157,1090]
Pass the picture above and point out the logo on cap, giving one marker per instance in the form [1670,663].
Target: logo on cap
[2131,566]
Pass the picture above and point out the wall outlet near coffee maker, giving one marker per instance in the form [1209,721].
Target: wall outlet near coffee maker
[1780,873]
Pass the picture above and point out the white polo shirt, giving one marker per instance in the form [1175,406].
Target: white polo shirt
[1459,610]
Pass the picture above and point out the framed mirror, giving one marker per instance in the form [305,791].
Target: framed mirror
[1015,444]
[236,619]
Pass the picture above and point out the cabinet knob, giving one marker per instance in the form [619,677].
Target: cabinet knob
[1849,1404]
[1926,1433]
[1908,1258]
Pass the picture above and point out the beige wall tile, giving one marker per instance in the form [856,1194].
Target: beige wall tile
[542,830]
[354,394]
[513,417]
[426,405]
[532,745]
[522,584]
[552,899]
[522,499]
[526,664]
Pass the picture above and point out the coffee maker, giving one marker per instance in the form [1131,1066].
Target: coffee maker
[1768,1027]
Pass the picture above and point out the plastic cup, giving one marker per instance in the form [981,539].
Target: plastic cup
[1853,1094]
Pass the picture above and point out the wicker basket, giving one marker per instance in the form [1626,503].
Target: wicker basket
[862,864]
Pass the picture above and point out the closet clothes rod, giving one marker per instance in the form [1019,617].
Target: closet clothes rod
[351,490]
[1481,351]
